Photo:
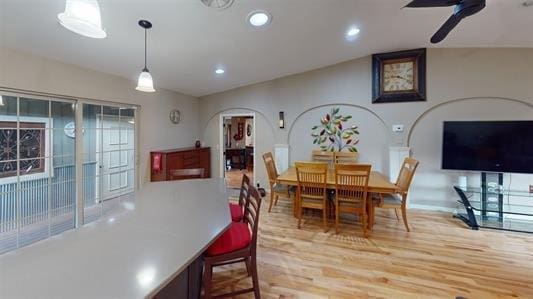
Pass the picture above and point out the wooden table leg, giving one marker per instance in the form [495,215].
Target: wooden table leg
[370,211]
[295,206]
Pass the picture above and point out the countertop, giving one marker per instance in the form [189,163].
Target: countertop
[130,254]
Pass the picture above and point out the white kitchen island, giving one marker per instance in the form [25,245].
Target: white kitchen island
[137,253]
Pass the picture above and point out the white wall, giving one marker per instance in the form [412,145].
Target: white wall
[28,72]
[461,84]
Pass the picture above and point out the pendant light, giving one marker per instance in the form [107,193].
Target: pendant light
[145,83]
[83,17]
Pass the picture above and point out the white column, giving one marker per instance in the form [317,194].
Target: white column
[281,155]
[396,156]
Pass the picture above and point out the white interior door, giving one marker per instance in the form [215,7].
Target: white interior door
[117,158]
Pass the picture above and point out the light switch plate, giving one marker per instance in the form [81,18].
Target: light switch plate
[397,128]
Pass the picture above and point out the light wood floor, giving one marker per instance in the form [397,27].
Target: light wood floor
[234,177]
[440,258]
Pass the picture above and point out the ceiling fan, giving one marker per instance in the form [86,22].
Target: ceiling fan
[462,9]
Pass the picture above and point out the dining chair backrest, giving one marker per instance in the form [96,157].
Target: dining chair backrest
[312,179]
[251,214]
[192,173]
[323,156]
[271,168]
[406,174]
[346,157]
[351,182]
[245,190]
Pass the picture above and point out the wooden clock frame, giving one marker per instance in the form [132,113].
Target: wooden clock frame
[418,56]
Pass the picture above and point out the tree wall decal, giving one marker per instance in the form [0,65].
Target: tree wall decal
[334,134]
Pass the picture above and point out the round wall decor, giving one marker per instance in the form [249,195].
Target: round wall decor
[70,130]
[175,116]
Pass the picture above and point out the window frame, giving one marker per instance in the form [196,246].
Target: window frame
[48,159]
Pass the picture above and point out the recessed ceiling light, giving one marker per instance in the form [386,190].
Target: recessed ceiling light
[219,71]
[259,18]
[352,32]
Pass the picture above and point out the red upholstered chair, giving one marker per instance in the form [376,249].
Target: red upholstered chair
[237,209]
[237,244]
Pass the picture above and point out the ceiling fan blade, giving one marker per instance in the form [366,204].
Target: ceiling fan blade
[445,29]
[432,3]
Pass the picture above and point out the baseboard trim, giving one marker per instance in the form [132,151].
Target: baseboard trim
[431,208]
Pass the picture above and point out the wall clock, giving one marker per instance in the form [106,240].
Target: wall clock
[175,116]
[399,76]
[70,130]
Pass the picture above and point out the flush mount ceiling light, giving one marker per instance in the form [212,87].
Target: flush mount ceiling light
[259,18]
[219,71]
[145,83]
[218,4]
[352,33]
[83,17]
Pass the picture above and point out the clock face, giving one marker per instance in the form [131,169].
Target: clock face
[175,116]
[398,76]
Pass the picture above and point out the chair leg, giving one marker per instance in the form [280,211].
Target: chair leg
[325,217]
[365,224]
[255,279]
[248,265]
[404,215]
[276,197]
[299,215]
[337,217]
[207,280]
[271,199]
[396,212]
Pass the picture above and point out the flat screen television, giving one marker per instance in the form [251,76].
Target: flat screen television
[488,146]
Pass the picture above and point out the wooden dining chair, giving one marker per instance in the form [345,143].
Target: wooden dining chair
[276,189]
[398,200]
[346,157]
[237,209]
[311,192]
[351,192]
[237,244]
[182,174]
[323,156]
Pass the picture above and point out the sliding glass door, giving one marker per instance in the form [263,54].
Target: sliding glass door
[39,193]
[37,170]
[109,157]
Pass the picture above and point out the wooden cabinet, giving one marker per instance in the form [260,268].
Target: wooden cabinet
[163,162]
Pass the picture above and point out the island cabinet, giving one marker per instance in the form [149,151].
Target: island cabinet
[164,162]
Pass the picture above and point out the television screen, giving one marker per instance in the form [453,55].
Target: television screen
[491,146]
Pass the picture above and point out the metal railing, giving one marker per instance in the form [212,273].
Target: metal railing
[42,207]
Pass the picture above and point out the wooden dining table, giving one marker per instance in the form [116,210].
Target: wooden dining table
[377,183]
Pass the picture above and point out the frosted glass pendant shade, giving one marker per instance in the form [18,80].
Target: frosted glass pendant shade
[145,83]
[83,17]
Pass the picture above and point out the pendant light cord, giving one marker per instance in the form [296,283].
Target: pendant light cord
[145,35]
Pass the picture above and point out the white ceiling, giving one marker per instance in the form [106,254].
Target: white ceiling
[189,40]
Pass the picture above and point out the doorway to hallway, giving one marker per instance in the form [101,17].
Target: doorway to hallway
[237,150]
